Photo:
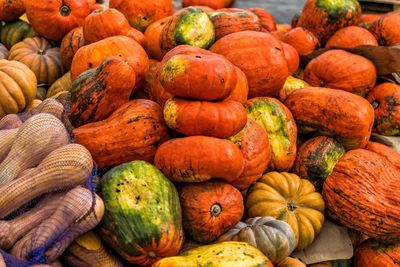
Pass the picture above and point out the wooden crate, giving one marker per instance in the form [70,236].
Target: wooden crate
[380,6]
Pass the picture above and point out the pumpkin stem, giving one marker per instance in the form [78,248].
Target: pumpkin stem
[375,104]
[216,210]
[65,11]
[291,206]
[152,254]
[382,41]
[41,52]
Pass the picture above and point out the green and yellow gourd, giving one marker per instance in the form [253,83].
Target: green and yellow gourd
[143,220]
[16,31]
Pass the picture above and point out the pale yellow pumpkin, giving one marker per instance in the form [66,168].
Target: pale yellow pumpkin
[62,84]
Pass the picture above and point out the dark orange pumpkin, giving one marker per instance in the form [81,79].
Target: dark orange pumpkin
[372,253]
[90,56]
[197,74]
[303,40]
[153,38]
[278,34]
[97,7]
[267,70]
[132,132]
[267,20]
[199,158]
[339,69]
[98,92]
[141,14]
[229,22]
[241,90]
[254,143]
[386,29]
[215,4]
[70,45]
[155,90]
[53,19]
[206,9]
[230,9]
[292,57]
[385,98]
[344,116]
[103,23]
[350,37]
[218,119]
[210,209]
[366,20]
[11,9]
[362,194]
[385,151]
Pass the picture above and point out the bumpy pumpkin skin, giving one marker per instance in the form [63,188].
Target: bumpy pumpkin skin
[385,151]
[359,181]
[292,57]
[210,209]
[183,75]
[229,22]
[324,17]
[292,84]
[98,92]
[267,20]
[111,142]
[316,159]
[179,30]
[268,69]
[286,197]
[15,32]
[372,253]
[385,98]
[70,45]
[18,87]
[350,37]
[281,128]
[90,56]
[339,69]
[63,15]
[316,111]
[41,57]
[386,29]
[291,262]
[218,119]
[11,9]
[153,38]
[219,255]
[199,158]
[141,14]
[304,41]
[254,143]
[274,238]
[3,52]
[135,195]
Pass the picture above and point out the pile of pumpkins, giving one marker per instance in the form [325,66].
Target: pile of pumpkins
[219,137]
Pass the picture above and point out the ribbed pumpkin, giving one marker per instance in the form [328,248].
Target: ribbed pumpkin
[286,197]
[302,40]
[292,57]
[373,253]
[385,151]
[199,158]
[385,98]
[210,209]
[189,26]
[219,119]
[281,128]
[254,143]
[63,84]
[11,9]
[292,84]
[98,92]
[386,29]
[141,14]
[142,219]
[316,159]
[268,69]
[274,238]
[70,45]
[291,262]
[90,56]
[53,19]
[324,18]
[15,32]
[153,38]
[332,113]
[350,37]
[267,20]
[111,142]
[215,4]
[361,194]
[241,90]
[339,69]
[3,52]
[103,23]
[229,22]
[156,91]
[18,87]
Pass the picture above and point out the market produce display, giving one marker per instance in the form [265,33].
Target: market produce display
[133,133]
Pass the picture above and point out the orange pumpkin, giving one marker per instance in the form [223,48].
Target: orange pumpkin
[385,151]
[386,29]
[70,45]
[292,57]
[155,90]
[339,69]
[303,40]
[11,9]
[350,37]
[210,209]
[267,20]
[215,4]
[153,38]
[241,90]
[53,19]
[372,253]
